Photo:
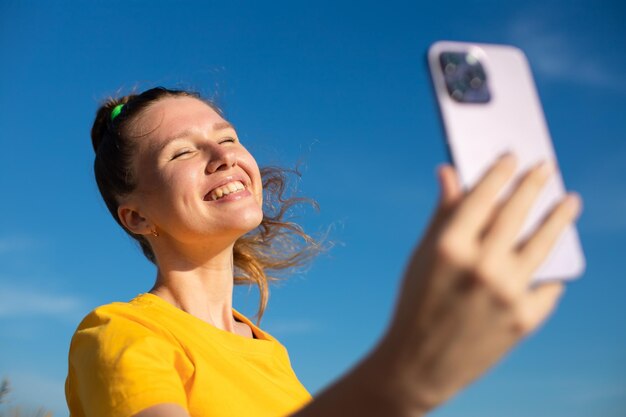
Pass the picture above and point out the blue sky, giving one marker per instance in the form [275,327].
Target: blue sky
[342,87]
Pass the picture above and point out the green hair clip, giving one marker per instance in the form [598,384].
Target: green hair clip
[116,111]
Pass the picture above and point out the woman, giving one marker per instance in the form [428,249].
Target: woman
[175,176]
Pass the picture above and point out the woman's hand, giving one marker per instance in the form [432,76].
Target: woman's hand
[465,299]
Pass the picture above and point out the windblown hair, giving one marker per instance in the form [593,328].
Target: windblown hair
[277,244]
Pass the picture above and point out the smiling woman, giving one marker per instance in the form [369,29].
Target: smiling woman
[138,140]
[175,176]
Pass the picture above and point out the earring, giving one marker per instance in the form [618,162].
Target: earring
[154,232]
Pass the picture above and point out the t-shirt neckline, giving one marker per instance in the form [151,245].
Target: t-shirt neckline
[263,341]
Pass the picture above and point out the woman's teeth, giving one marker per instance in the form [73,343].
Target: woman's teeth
[231,187]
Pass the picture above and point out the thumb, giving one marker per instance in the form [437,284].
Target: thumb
[451,190]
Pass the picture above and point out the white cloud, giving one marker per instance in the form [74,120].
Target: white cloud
[554,55]
[16,301]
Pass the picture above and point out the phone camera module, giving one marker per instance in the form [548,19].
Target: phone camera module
[465,77]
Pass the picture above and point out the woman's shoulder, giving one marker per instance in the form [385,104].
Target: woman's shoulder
[133,318]
[120,357]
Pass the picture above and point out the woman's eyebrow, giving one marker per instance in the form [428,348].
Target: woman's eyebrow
[193,130]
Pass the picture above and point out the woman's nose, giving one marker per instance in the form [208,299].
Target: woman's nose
[221,158]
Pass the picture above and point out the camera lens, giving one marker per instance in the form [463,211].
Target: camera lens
[458,95]
[471,59]
[464,77]
[450,68]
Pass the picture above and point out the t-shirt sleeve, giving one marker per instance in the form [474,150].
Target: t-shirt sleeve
[119,366]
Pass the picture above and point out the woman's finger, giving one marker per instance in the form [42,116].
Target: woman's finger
[538,246]
[451,190]
[508,221]
[450,193]
[479,203]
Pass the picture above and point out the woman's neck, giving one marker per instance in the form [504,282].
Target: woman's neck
[201,287]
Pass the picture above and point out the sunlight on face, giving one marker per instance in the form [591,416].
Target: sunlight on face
[195,180]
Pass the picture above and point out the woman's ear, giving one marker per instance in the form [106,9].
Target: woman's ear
[132,220]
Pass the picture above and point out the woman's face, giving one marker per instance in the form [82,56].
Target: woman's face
[196,183]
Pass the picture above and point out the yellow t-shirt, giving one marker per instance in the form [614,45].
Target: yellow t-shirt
[125,357]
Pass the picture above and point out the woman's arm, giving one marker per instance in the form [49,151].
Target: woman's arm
[464,301]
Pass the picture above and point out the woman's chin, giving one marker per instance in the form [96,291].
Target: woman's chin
[247,226]
[240,222]
[225,226]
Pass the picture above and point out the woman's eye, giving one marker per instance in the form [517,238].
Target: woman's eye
[231,140]
[181,153]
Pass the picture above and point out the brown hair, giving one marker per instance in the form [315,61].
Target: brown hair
[276,244]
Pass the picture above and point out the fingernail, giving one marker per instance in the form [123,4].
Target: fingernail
[508,155]
[546,167]
[574,201]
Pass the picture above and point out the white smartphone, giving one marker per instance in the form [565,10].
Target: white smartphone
[489,105]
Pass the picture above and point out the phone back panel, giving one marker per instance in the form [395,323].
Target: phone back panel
[511,120]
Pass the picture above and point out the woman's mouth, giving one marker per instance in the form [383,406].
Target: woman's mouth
[233,190]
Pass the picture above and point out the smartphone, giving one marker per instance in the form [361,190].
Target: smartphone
[489,105]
